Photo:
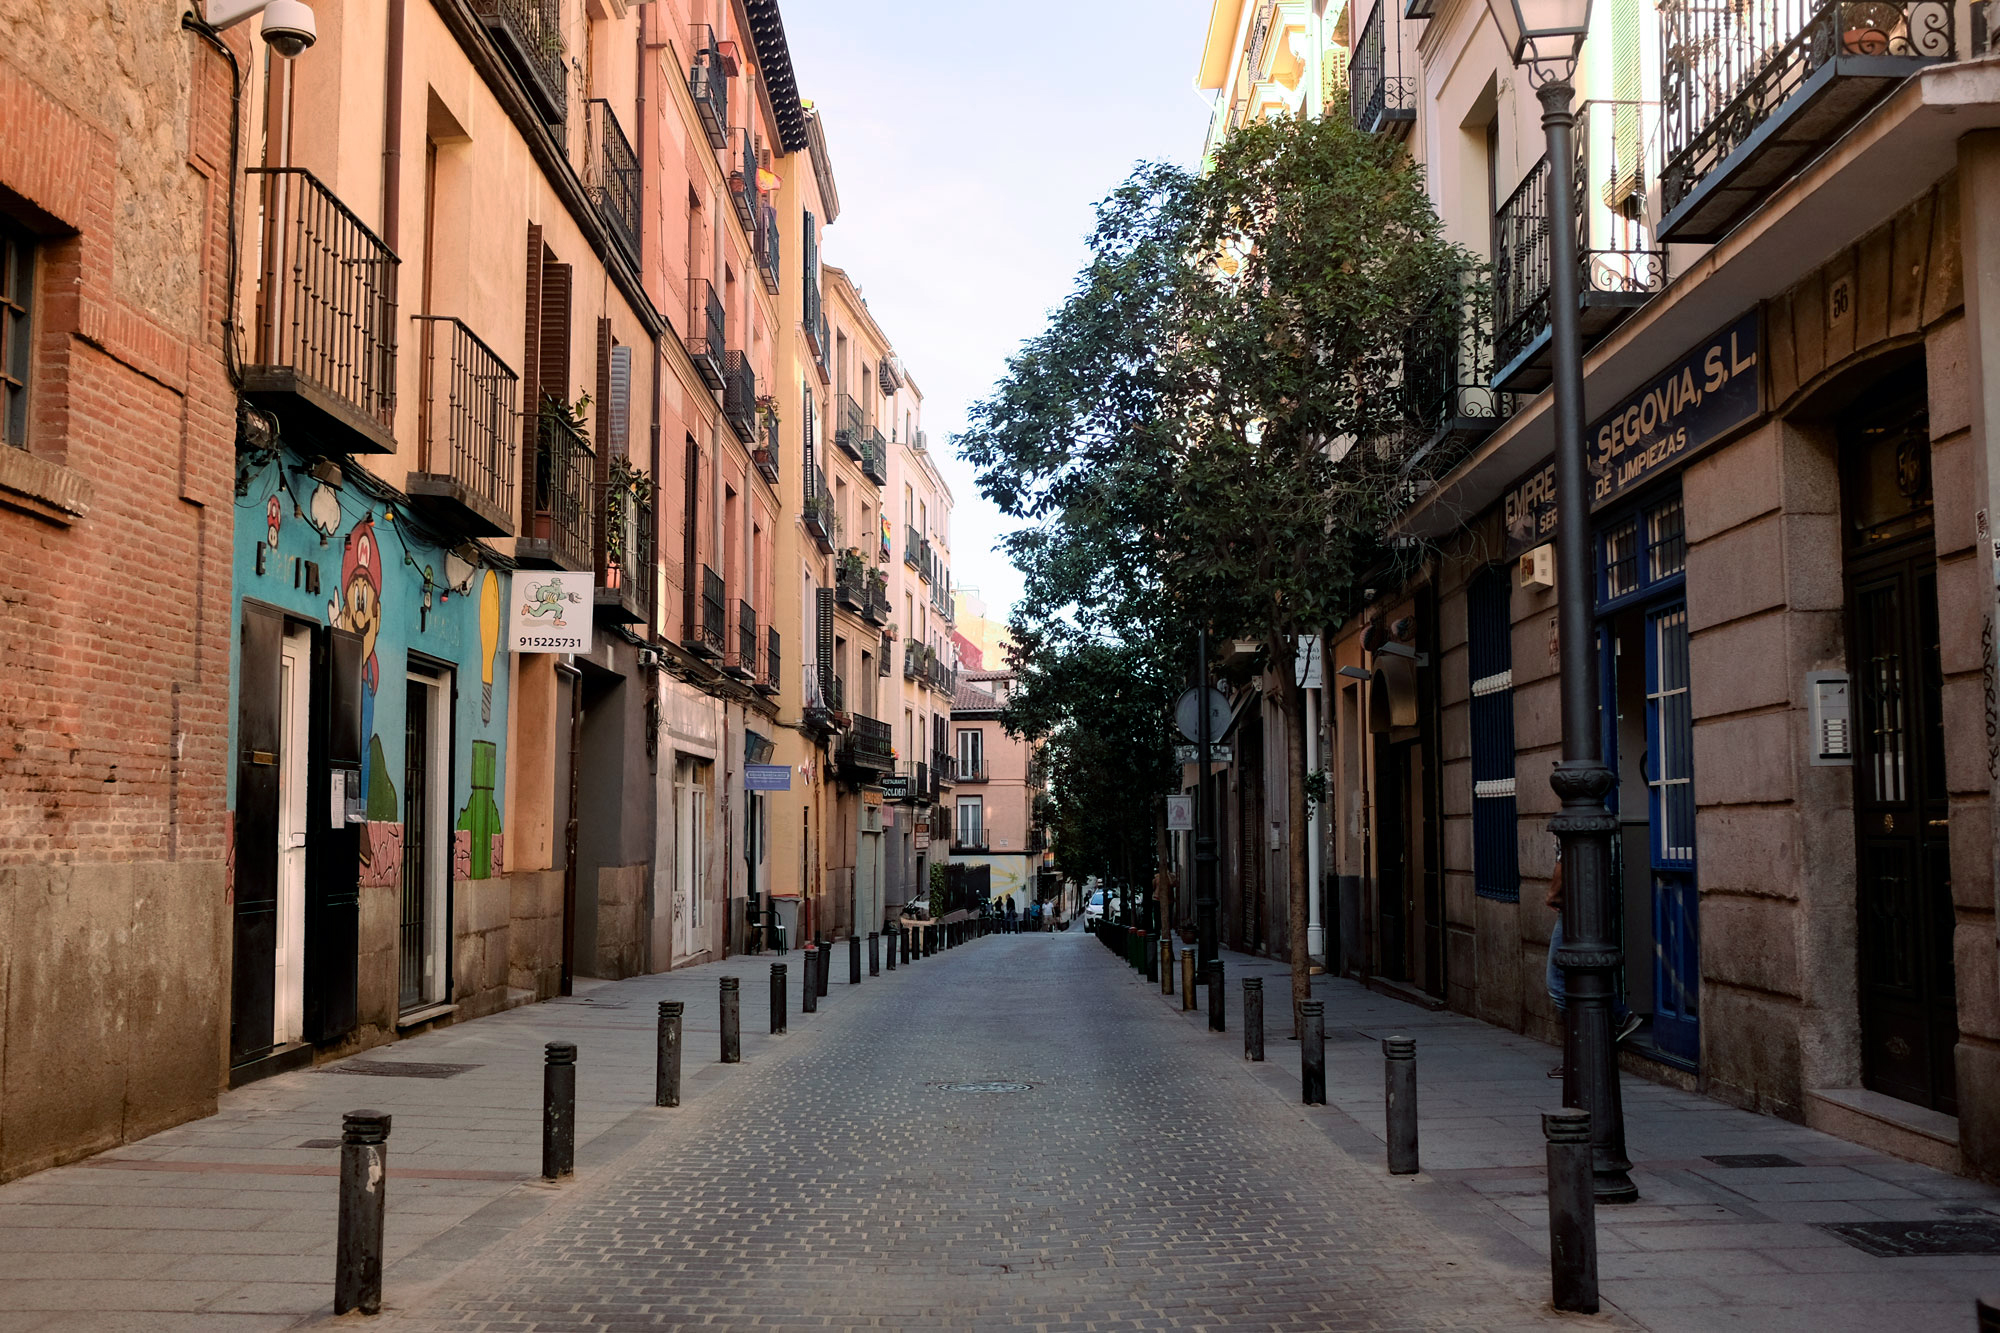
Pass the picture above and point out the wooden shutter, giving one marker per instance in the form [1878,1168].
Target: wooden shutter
[809,455]
[531,382]
[618,428]
[554,345]
[824,646]
[259,728]
[690,541]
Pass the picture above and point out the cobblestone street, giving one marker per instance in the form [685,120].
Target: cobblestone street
[1141,1181]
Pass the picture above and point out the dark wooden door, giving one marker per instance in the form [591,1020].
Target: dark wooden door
[333,851]
[259,725]
[1909,1009]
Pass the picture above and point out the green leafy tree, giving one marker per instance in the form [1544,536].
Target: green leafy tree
[1217,426]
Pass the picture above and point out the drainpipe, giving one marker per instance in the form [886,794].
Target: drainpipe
[392,129]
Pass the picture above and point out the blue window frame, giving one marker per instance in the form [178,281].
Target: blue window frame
[1496,860]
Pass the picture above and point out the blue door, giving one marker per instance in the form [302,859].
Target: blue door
[1670,799]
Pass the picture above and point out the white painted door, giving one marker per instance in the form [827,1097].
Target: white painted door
[294,685]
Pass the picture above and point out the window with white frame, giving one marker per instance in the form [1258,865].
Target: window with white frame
[971,754]
[971,822]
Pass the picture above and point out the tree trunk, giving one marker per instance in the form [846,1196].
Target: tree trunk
[1283,662]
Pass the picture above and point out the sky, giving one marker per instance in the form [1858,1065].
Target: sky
[969,145]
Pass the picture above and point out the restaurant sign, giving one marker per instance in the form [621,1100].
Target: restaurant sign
[1711,391]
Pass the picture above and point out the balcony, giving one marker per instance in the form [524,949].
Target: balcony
[1754,91]
[325,346]
[701,615]
[625,549]
[706,344]
[874,456]
[708,83]
[943,769]
[765,455]
[848,425]
[1448,382]
[885,654]
[612,173]
[1623,261]
[917,788]
[816,512]
[767,678]
[972,769]
[875,606]
[815,316]
[529,34]
[910,540]
[739,397]
[767,250]
[466,431]
[850,583]
[559,530]
[913,660]
[743,191]
[889,374]
[1382,76]
[867,751]
[741,659]
[925,560]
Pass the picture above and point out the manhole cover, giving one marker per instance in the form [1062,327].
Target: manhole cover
[1906,1240]
[985,1087]
[1751,1159]
[396,1069]
[320,1143]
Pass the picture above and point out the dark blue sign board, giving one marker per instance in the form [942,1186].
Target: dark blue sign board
[1710,392]
[767,777]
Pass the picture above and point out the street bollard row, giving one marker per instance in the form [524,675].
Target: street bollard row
[364,1165]
[1253,1018]
[1573,1212]
[667,1069]
[1217,997]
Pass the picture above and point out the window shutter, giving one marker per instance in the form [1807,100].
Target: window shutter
[554,345]
[811,441]
[824,598]
[620,442]
[531,359]
[1496,860]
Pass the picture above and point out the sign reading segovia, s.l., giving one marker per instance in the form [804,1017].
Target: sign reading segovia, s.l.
[1715,388]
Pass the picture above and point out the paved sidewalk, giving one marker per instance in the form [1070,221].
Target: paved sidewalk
[1710,1245]
[228,1223]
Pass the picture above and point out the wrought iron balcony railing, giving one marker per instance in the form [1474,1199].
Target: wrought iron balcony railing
[926,562]
[466,431]
[815,320]
[741,659]
[625,546]
[767,250]
[1622,260]
[743,191]
[739,397]
[850,582]
[1754,90]
[874,456]
[559,530]
[816,512]
[913,660]
[868,747]
[1382,76]
[767,679]
[942,766]
[529,33]
[706,341]
[848,425]
[702,631]
[875,606]
[765,455]
[910,540]
[612,172]
[1449,398]
[708,82]
[972,768]
[326,312]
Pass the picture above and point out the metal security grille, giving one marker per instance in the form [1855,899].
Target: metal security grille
[1496,863]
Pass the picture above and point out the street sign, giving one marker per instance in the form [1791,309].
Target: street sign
[1191,754]
[767,777]
[1180,814]
[1188,718]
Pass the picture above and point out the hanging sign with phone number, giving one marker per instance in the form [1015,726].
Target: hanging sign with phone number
[551,612]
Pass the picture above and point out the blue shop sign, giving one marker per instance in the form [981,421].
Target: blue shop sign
[1713,389]
[767,777]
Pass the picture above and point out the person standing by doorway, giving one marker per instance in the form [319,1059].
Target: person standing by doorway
[1627,1021]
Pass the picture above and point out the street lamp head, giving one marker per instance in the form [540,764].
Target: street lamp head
[1543,35]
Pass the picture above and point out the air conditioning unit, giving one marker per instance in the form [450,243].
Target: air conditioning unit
[1538,567]
[649,659]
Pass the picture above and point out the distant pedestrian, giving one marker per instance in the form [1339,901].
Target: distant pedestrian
[1625,1022]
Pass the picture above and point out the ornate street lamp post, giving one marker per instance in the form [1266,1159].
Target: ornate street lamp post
[1544,38]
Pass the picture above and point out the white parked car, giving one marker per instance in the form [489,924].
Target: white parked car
[1093,911]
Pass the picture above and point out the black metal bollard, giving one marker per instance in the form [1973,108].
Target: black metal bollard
[854,960]
[558,1110]
[364,1159]
[1218,996]
[667,1067]
[1187,980]
[1988,1309]
[1152,963]
[889,950]
[1253,1018]
[809,982]
[732,1021]
[1399,1095]
[825,966]
[777,998]
[874,954]
[1573,1217]
[1166,977]
[1312,1052]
